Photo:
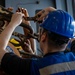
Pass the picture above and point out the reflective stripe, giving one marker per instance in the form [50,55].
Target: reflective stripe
[56,68]
[9,49]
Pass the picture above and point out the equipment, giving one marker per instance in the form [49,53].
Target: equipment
[5,15]
[59,22]
[23,37]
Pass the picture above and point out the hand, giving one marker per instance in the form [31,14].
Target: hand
[10,9]
[27,47]
[17,18]
[25,12]
[26,31]
[40,16]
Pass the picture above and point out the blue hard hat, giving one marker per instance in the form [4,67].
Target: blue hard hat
[59,22]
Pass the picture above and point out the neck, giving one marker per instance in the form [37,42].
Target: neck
[51,49]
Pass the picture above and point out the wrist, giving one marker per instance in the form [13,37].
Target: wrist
[12,24]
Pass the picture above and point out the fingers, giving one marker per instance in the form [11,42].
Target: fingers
[28,42]
[43,13]
[24,11]
[27,46]
[40,15]
[17,18]
[19,10]
[19,14]
[10,8]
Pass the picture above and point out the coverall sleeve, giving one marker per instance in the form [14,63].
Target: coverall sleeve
[14,65]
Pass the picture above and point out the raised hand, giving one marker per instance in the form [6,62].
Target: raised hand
[17,18]
[43,13]
[25,12]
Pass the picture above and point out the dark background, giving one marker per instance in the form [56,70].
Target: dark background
[2,2]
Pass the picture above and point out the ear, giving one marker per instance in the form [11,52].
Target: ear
[43,37]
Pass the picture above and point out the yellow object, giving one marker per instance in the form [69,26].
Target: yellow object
[15,43]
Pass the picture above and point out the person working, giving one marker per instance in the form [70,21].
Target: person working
[54,33]
[24,46]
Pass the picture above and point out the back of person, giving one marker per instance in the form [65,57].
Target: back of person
[54,64]
[54,35]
